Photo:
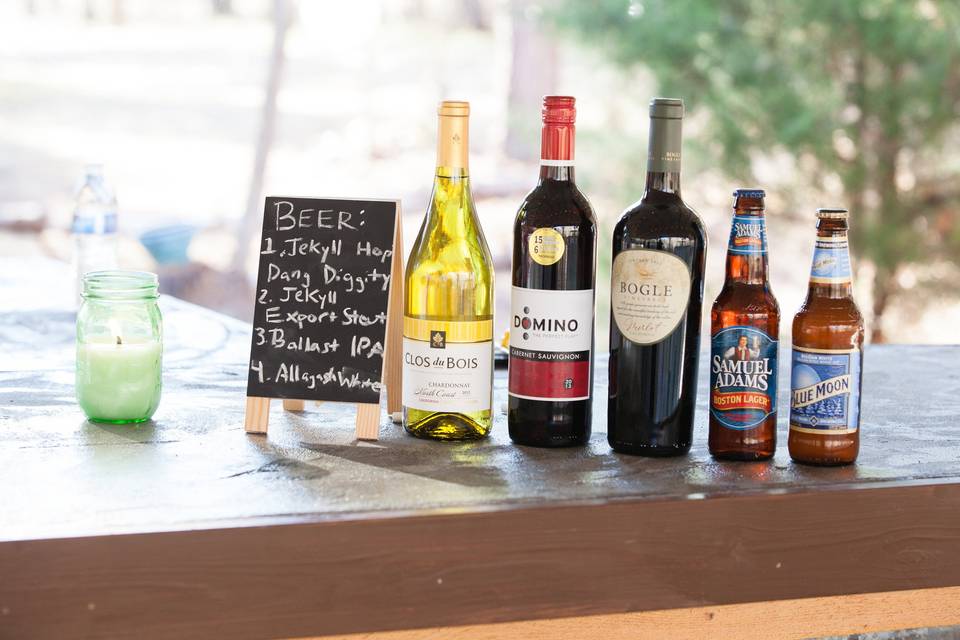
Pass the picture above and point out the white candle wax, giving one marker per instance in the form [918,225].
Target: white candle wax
[119,382]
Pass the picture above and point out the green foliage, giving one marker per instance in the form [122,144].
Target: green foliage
[854,87]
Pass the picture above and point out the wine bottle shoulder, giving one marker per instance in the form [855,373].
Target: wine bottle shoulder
[653,218]
[443,246]
[553,204]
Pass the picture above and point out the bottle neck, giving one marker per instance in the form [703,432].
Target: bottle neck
[747,249]
[666,182]
[453,143]
[451,208]
[557,151]
[830,272]
[663,155]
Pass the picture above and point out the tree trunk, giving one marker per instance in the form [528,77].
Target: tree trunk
[533,74]
[222,7]
[249,227]
[475,14]
[890,228]
[883,289]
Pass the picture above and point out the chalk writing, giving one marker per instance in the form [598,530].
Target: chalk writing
[321,301]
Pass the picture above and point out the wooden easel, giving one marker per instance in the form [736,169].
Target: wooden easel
[257,416]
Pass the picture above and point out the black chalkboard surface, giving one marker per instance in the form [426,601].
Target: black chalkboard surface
[319,325]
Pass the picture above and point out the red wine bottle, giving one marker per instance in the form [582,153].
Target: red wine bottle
[656,295]
[552,301]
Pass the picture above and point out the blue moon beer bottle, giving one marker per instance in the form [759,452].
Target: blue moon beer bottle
[744,329]
[827,361]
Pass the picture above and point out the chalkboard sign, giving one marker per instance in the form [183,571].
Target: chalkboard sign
[327,295]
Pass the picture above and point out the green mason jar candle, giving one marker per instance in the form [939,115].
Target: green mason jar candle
[119,346]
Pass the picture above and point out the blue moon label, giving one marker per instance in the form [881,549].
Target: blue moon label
[825,390]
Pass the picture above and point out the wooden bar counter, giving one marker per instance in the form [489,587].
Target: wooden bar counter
[185,527]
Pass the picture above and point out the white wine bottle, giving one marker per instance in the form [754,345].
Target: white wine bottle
[448,302]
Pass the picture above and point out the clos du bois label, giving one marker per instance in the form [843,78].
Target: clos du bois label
[551,336]
[650,291]
[447,365]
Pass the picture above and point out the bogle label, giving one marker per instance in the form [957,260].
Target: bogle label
[825,390]
[743,377]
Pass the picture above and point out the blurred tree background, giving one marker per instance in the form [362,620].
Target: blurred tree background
[863,94]
[199,108]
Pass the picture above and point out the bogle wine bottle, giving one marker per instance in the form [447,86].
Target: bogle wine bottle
[551,329]
[656,297]
[448,303]
[744,330]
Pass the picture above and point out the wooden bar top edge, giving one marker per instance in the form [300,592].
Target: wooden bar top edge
[782,619]
[372,575]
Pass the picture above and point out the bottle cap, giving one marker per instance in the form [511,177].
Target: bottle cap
[559,110]
[456,108]
[836,214]
[666,108]
[750,193]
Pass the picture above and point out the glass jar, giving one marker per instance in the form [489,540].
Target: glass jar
[119,346]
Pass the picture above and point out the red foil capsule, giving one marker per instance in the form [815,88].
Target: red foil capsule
[559,116]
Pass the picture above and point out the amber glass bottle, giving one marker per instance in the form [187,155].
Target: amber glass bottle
[827,362]
[744,330]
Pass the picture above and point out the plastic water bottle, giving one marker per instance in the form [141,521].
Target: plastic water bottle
[94,225]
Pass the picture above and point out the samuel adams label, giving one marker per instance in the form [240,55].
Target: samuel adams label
[743,377]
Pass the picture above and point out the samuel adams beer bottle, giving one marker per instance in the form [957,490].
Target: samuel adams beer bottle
[744,326]
[827,363]
[656,295]
[551,328]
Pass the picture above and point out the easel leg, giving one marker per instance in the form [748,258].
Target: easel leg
[293,405]
[393,355]
[257,415]
[368,421]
